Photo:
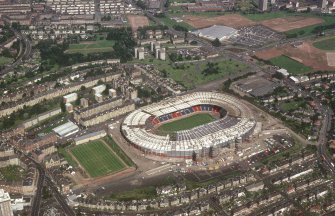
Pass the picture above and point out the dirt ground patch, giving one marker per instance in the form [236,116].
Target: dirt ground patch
[137,21]
[290,23]
[233,20]
[306,54]
[331,59]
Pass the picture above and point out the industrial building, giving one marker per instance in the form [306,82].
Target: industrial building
[90,137]
[216,31]
[66,129]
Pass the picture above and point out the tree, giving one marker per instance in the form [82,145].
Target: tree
[194,156]
[216,42]
[62,106]
[211,68]
[211,152]
[82,88]
[180,28]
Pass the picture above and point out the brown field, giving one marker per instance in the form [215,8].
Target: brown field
[237,21]
[289,23]
[137,21]
[331,58]
[233,20]
[306,54]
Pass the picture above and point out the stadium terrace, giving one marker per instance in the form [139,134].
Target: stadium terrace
[234,122]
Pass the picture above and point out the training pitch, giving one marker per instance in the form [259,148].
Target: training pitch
[97,158]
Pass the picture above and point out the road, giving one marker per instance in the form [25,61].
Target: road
[38,195]
[321,144]
[44,177]
[25,55]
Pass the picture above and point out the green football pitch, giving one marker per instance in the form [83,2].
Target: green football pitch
[326,44]
[186,123]
[97,159]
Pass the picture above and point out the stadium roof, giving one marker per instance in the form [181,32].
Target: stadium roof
[216,31]
[66,129]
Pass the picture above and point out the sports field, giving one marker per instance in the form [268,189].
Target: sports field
[91,47]
[292,66]
[327,44]
[97,159]
[186,123]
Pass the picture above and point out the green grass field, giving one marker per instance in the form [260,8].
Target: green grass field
[292,66]
[328,20]
[293,105]
[97,159]
[268,15]
[5,60]
[190,76]
[327,44]
[166,20]
[67,157]
[186,123]
[91,47]
[12,173]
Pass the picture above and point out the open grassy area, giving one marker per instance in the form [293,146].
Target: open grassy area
[166,20]
[67,157]
[136,194]
[186,123]
[295,149]
[268,15]
[292,66]
[11,173]
[306,31]
[190,74]
[116,148]
[4,60]
[327,44]
[91,47]
[292,105]
[97,159]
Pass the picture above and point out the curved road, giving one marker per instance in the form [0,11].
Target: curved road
[26,43]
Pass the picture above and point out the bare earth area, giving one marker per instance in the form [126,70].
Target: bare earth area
[331,59]
[238,21]
[233,20]
[306,54]
[290,23]
[137,21]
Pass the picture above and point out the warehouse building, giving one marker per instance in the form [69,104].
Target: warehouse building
[66,129]
[90,137]
[216,31]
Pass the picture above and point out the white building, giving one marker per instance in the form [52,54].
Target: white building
[66,129]
[98,98]
[99,89]
[139,53]
[5,204]
[70,98]
[112,93]
[216,31]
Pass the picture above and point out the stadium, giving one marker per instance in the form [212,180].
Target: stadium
[231,121]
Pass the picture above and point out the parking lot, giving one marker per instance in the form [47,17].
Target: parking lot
[255,36]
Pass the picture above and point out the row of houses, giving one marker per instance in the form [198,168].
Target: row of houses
[224,189]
